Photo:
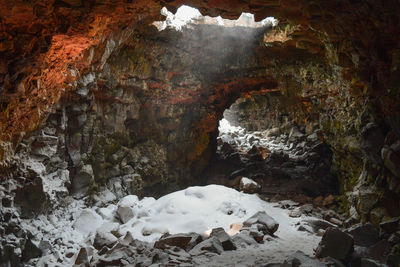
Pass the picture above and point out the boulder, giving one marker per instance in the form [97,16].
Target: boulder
[88,221]
[243,239]
[249,186]
[224,238]
[104,239]
[125,210]
[178,240]
[45,246]
[335,244]
[263,218]
[390,226]
[31,198]
[295,213]
[368,197]
[82,258]
[211,244]
[30,251]
[80,182]
[295,134]
[364,235]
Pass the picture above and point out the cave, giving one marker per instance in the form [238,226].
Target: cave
[199,133]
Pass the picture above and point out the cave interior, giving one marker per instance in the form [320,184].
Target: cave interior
[199,133]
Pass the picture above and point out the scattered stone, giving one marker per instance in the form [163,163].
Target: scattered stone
[317,224]
[264,219]
[320,232]
[249,186]
[82,258]
[211,245]
[178,240]
[102,239]
[335,244]
[307,208]
[286,204]
[224,238]
[336,221]
[243,239]
[295,213]
[127,239]
[45,246]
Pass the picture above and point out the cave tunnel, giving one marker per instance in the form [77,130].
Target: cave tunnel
[199,133]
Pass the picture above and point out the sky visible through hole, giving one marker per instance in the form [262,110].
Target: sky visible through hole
[186,14]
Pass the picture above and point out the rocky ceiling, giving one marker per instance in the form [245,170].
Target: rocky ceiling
[337,62]
[42,40]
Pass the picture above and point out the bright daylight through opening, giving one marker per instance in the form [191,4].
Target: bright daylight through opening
[186,15]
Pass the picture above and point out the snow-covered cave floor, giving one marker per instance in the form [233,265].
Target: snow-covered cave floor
[194,209]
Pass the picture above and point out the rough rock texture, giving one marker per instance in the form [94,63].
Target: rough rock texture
[68,100]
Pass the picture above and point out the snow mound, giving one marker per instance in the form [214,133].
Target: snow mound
[195,209]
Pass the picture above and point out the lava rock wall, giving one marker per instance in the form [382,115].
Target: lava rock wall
[340,59]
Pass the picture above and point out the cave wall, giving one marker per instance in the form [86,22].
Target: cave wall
[340,59]
[146,123]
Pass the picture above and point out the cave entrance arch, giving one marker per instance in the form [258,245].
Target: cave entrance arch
[259,140]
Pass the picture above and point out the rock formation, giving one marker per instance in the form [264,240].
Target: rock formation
[93,96]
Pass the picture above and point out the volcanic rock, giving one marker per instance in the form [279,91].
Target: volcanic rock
[335,244]
[263,218]
[224,238]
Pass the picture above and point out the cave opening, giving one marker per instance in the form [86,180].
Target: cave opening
[203,136]
[186,15]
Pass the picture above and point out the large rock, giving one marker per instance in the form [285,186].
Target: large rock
[224,238]
[249,186]
[335,244]
[390,226]
[87,222]
[263,218]
[178,240]
[105,235]
[81,181]
[364,235]
[30,251]
[211,244]
[125,208]
[31,198]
